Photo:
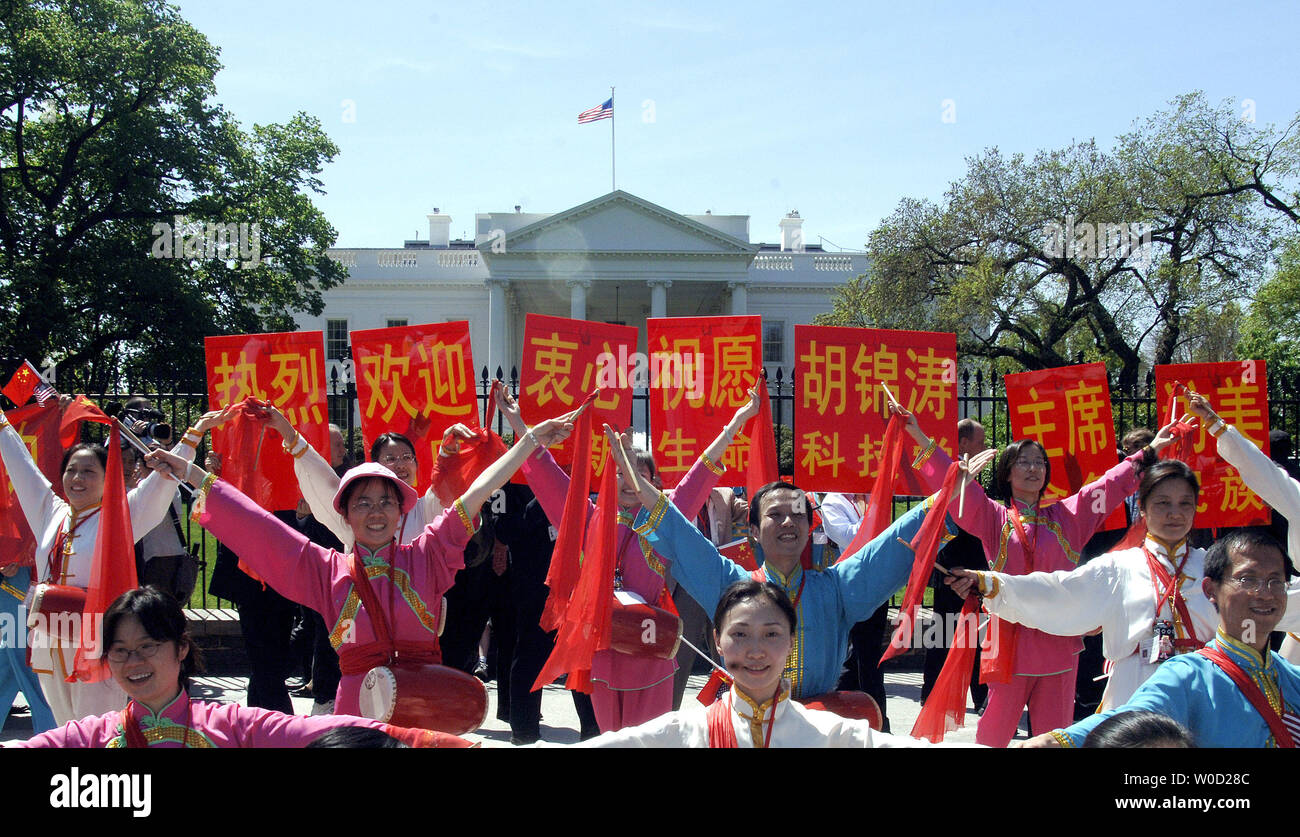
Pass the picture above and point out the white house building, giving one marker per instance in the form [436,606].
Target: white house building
[618,258]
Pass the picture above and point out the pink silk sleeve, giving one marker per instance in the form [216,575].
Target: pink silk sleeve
[297,568]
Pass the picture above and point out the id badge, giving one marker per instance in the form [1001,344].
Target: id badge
[1162,641]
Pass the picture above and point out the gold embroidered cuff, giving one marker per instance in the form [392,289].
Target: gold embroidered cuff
[192,438]
[925,454]
[656,516]
[297,447]
[465,517]
[717,469]
[1063,739]
[1218,428]
[989,585]
[201,497]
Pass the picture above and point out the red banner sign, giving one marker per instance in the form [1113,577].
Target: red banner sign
[1238,389]
[287,369]
[418,381]
[1067,411]
[700,372]
[841,410]
[39,428]
[564,360]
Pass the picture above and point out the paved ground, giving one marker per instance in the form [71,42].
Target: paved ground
[559,721]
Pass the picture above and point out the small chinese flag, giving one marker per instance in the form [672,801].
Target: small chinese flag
[81,409]
[22,384]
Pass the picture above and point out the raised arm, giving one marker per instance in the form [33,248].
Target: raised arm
[1261,474]
[1065,603]
[35,494]
[316,479]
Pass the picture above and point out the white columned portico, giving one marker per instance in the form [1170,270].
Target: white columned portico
[496,326]
[739,298]
[659,296]
[578,297]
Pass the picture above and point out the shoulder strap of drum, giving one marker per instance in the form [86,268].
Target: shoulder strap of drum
[722,734]
[361,583]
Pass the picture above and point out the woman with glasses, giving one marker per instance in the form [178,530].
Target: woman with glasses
[407,579]
[319,483]
[151,657]
[1035,668]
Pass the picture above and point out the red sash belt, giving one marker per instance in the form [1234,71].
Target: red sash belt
[358,659]
[1253,694]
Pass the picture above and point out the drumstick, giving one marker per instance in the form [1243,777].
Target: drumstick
[134,441]
[965,481]
[707,658]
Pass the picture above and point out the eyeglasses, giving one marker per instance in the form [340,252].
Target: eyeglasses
[1030,464]
[1253,585]
[144,652]
[385,505]
[389,459]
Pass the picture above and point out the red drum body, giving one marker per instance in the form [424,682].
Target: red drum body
[856,706]
[425,697]
[643,630]
[55,609]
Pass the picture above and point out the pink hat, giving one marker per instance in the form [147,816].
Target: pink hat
[366,470]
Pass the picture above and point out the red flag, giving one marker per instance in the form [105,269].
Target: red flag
[586,622]
[926,546]
[22,384]
[762,467]
[112,569]
[38,425]
[565,558]
[944,709]
[880,508]
[454,472]
[741,552]
[81,409]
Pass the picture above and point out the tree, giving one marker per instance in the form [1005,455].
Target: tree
[1083,254]
[127,196]
[1271,330]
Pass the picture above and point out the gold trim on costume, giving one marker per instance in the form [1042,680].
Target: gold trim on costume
[925,454]
[717,469]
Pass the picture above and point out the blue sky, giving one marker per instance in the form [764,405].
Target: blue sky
[834,109]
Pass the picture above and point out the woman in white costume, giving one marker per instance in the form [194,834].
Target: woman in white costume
[66,532]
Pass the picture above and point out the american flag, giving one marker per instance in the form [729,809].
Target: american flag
[44,392]
[605,110]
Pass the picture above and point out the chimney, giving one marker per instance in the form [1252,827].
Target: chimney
[439,230]
[792,233]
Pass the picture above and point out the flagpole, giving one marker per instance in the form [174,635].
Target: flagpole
[612,181]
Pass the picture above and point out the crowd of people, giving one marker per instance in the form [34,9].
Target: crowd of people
[377,574]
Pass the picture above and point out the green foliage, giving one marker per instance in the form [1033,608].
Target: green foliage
[108,131]
[1272,328]
[1036,262]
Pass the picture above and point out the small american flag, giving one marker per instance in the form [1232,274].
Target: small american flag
[44,392]
[605,110]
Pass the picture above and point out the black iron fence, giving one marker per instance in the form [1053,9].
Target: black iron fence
[980,396]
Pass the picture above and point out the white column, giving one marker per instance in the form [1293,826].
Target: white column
[497,329]
[578,297]
[739,298]
[659,296]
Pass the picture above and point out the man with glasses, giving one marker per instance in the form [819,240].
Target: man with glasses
[1235,692]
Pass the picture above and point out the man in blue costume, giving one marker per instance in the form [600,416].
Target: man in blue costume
[15,675]
[1246,575]
[829,603]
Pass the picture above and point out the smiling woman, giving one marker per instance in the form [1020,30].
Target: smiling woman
[756,623]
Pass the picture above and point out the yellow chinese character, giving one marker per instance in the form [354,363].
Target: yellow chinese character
[823,380]
[932,377]
[678,452]
[821,451]
[1236,496]
[1239,405]
[381,369]
[1083,410]
[868,455]
[733,370]
[1037,428]
[736,456]
[442,369]
[671,356]
[599,446]
[878,367]
[609,398]
[555,364]
[237,382]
